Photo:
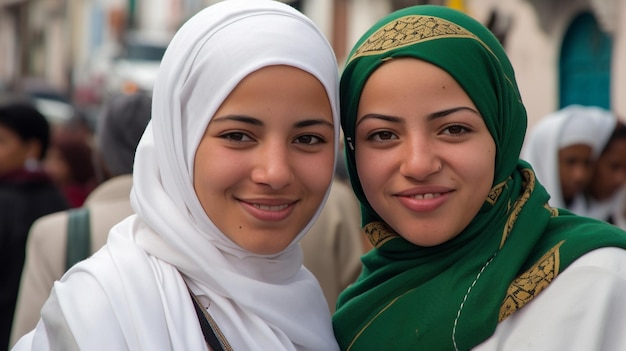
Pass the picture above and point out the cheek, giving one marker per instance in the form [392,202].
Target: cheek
[374,170]
[616,176]
[208,180]
[204,184]
[481,167]
[364,169]
[314,171]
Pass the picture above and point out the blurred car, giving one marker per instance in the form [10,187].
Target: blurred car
[57,109]
[135,68]
[56,105]
[51,101]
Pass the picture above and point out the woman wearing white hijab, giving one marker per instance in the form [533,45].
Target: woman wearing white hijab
[256,70]
[606,193]
[577,132]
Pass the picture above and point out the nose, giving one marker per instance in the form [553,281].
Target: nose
[581,176]
[419,159]
[272,166]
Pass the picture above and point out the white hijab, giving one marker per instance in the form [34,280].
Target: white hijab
[259,302]
[574,124]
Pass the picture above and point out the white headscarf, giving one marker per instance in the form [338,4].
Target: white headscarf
[574,124]
[259,302]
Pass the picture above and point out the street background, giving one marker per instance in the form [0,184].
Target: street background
[564,51]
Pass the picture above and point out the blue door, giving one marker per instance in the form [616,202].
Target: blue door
[585,64]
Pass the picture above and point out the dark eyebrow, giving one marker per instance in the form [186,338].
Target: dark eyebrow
[432,116]
[313,122]
[258,122]
[377,116]
[239,118]
[451,111]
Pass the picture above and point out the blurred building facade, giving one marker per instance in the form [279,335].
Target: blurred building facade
[564,51]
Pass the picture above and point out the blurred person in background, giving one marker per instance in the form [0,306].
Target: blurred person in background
[563,148]
[69,163]
[334,245]
[120,126]
[605,195]
[26,193]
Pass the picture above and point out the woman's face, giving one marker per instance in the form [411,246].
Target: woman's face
[424,155]
[610,171]
[13,150]
[575,169]
[266,159]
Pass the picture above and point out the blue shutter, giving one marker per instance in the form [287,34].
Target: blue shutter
[585,64]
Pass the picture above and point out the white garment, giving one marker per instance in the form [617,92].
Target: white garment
[571,125]
[583,309]
[131,295]
[611,208]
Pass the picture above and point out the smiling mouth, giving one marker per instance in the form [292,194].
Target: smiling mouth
[425,196]
[270,208]
[272,212]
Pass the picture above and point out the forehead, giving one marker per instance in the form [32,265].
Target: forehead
[411,83]
[404,76]
[277,92]
[617,146]
[408,66]
[277,80]
[269,78]
[576,150]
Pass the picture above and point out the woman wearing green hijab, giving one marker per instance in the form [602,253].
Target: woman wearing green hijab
[468,254]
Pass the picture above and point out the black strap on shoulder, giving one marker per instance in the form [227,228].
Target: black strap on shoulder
[208,332]
[78,236]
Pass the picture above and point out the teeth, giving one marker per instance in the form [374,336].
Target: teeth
[270,208]
[426,196]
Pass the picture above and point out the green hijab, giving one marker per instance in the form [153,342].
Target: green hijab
[452,296]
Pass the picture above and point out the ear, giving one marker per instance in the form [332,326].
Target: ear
[33,149]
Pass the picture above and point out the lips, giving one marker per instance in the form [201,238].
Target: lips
[269,209]
[426,196]
[424,199]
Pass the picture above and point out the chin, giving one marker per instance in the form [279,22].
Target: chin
[264,249]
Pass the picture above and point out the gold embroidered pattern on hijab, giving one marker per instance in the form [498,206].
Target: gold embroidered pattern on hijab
[409,30]
[528,184]
[530,283]
[379,233]
[496,191]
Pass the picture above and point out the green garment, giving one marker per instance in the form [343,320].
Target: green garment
[452,296]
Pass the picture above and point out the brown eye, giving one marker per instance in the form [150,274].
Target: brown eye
[236,136]
[308,139]
[455,130]
[383,135]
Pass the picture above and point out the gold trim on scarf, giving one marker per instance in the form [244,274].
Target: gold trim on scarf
[528,184]
[554,212]
[367,325]
[409,30]
[495,192]
[379,233]
[530,283]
